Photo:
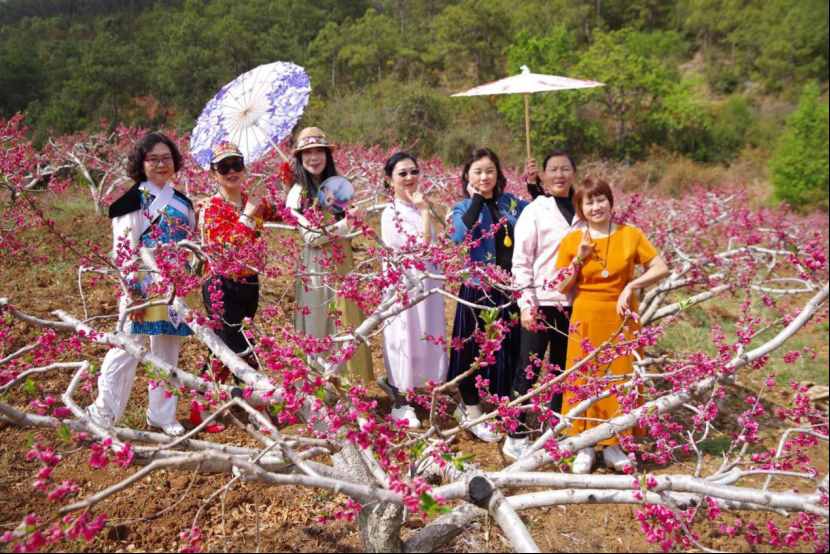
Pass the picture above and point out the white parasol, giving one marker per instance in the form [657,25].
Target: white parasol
[527,83]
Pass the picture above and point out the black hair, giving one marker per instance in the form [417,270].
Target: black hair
[393,160]
[135,161]
[304,178]
[478,154]
[558,154]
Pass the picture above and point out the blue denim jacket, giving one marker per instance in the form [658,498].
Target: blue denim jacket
[510,207]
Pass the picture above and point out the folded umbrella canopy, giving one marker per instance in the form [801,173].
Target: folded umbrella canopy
[527,83]
[255,111]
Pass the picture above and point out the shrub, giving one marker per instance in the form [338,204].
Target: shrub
[800,163]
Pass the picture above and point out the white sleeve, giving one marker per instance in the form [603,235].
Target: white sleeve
[313,236]
[524,254]
[129,226]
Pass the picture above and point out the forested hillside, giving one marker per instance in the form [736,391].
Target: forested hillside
[705,80]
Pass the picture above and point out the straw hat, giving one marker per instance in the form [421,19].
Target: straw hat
[312,137]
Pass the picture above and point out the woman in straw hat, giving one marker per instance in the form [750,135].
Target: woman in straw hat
[325,250]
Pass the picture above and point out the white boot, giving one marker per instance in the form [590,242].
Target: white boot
[584,461]
[464,413]
[513,448]
[615,458]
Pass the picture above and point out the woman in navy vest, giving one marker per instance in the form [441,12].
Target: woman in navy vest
[488,215]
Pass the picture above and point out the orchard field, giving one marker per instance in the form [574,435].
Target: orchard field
[730,391]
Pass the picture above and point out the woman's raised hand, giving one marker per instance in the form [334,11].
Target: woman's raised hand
[623,300]
[531,172]
[586,246]
[419,200]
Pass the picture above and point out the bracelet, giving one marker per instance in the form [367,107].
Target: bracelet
[577,261]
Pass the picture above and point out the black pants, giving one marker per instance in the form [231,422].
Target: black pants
[556,321]
[240,299]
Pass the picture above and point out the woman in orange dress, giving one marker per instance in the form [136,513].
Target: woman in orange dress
[601,262]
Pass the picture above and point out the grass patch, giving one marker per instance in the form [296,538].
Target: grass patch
[692,333]
[67,207]
[715,446]
[135,415]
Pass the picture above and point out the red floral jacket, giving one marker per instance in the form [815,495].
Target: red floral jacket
[224,235]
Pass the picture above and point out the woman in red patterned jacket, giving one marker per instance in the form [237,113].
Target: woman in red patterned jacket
[231,221]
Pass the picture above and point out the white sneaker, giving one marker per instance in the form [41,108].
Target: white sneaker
[584,461]
[406,413]
[174,429]
[615,458]
[513,449]
[464,413]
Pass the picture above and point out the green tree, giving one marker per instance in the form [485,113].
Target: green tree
[555,120]
[93,82]
[22,78]
[469,41]
[683,122]
[188,67]
[323,64]
[771,41]
[538,18]
[637,14]
[636,81]
[371,47]
[801,164]
[779,41]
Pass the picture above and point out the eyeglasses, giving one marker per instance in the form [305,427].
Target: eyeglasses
[226,166]
[156,160]
[404,174]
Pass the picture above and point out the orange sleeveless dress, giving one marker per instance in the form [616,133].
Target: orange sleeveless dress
[594,315]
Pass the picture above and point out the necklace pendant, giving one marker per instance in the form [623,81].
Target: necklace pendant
[507,241]
[605,274]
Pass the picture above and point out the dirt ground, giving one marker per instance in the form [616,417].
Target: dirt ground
[250,517]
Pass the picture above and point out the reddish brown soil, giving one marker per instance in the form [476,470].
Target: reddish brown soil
[150,515]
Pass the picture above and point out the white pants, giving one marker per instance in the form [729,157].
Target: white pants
[117,377]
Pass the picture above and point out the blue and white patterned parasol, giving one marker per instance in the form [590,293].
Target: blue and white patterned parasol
[255,111]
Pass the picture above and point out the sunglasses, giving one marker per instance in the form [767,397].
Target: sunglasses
[414,172]
[233,164]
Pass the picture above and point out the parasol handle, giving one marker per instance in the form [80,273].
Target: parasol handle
[282,154]
[527,124]
[279,150]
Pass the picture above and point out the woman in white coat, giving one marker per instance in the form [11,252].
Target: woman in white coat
[545,312]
